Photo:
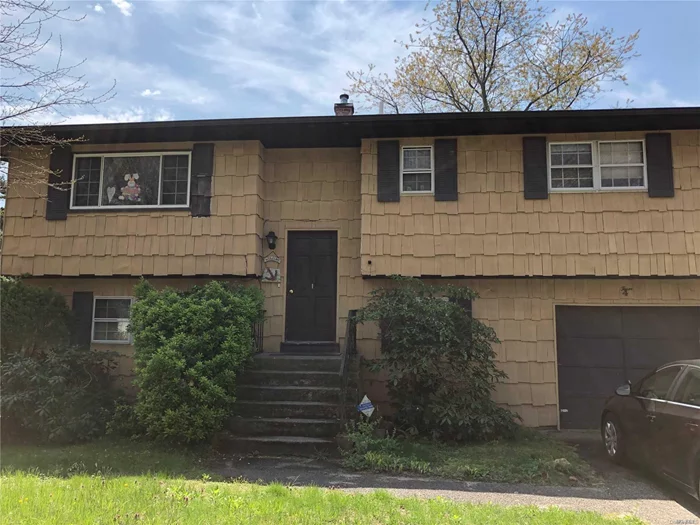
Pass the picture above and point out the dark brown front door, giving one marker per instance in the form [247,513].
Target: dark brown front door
[312,259]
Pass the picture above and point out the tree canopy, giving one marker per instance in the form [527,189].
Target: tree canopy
[498,55]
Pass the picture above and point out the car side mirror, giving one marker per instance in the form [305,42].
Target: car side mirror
[623,390]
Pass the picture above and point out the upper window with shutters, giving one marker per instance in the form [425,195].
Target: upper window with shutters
[597,166]
[417,169]
[131,180]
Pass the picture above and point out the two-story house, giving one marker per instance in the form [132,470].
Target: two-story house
[580,231]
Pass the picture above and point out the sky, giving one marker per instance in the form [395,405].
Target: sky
[197,59]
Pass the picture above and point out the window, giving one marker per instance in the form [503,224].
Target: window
[111,320]
[417,169]
[656,386]
[131,180]
[689,390]
[591,166]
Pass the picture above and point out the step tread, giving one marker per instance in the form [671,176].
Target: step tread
[290,403]
[312,357]
[283,439]
[302,372]
[294,387]
[288,420]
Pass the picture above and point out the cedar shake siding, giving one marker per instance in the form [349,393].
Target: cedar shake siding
[150,242]
[490,222]
[494,230]
[521,311]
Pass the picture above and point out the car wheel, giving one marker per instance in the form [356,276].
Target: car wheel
[612,438]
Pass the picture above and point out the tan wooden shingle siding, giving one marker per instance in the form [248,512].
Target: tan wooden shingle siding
[521,311]
[159,242]
[307,189]
[492,230]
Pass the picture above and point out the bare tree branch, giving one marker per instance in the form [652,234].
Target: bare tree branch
[33,90]
[498,55]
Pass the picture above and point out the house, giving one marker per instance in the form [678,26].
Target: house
[580,231]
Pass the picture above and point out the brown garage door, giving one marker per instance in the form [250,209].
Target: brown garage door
[600,347]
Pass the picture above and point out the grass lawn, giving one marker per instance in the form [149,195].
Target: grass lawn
[145,499]
[112,482]
[533,458]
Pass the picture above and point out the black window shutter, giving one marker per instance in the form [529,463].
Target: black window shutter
[535,167]
[659,164]
[60,176]
[446,170]
[388,178]
[202,171]
[466,305]
[82,311]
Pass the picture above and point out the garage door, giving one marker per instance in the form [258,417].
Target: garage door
[599,348]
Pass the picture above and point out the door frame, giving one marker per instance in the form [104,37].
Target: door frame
[310,228]
[612,303]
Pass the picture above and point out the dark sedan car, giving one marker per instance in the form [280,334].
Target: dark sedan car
[656,422]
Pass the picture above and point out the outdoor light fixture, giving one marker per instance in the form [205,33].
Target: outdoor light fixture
[271,240]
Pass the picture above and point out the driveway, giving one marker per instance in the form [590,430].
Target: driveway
[624,492]
[591,449]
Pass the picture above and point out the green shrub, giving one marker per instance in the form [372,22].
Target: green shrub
[190,348]
[32,318]
[61,395]
[440,364]
[51,392]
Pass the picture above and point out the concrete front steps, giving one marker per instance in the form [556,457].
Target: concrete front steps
[288,404]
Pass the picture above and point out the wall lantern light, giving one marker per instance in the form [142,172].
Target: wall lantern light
[271,240]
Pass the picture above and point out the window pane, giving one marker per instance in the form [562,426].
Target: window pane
[622,176]
[130,181]
[658,385]
[689,390]
[112,308]
[572,177]
[416,159]
[417,182]
[621,153]
[86,191]
[570,155]
[111,331]
[175,176]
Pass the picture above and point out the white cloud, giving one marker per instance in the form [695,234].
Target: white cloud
[284,50]
[98,8]
[113,115]
[125,7]
[650,94]
[150,93]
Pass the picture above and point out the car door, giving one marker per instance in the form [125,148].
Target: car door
[679,429]
[640,414]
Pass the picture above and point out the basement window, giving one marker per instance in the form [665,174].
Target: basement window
[110,321]
[417,169]
[133,180]
[597,166]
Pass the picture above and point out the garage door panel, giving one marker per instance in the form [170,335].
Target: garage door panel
[660,323]
[650,353]
[589,321]
[602,352]
[599,348]
[581,413]
[590,382]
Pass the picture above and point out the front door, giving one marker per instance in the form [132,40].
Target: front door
[312,261]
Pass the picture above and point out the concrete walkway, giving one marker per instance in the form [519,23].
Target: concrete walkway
[628,494]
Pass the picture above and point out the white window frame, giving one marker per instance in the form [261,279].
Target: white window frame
[595,158]
[432,170]
[132,154]
[109,319]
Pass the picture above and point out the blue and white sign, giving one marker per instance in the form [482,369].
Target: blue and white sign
[366,407]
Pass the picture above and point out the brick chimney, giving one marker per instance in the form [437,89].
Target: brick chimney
[344,108]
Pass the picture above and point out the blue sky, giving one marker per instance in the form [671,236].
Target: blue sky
[199,59]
